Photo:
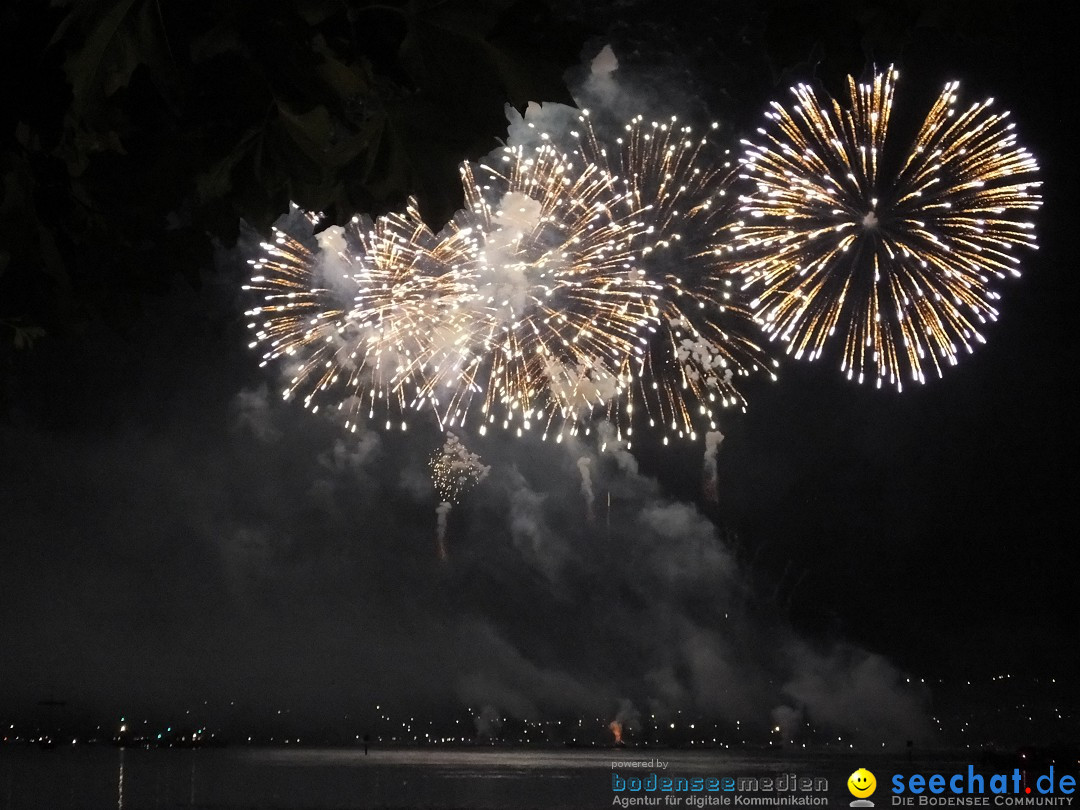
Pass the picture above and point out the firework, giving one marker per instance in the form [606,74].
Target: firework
[894,264]
[577,284]
[454,471]
[559,301]
[371,322]
[679,186]
[623,300]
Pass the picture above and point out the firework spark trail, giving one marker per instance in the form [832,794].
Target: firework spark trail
[896,267]
[454,471]
[712,446]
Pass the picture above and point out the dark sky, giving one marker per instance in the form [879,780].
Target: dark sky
[170,532]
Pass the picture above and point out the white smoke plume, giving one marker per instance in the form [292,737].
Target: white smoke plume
[583,465]
[334,270]
[252,413]
[712,445]
[600,84]
[442,517]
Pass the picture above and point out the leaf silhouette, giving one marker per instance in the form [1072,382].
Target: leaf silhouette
[106,41]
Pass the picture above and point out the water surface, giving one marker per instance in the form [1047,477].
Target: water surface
[102,778]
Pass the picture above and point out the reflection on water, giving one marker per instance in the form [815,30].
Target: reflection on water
[92,778]
[120,783]
[191,798]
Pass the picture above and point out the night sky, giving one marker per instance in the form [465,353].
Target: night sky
[171,532]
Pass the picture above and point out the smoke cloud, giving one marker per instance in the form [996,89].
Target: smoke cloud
[310,558]
[713,438]
[442,519]
[583,464]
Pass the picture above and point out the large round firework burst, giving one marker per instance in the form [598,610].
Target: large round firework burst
[576,284]
[523,311]
[370,319]
[558,300]
[678,186]
[895,265]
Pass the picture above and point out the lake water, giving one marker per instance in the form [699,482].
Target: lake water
[102,778]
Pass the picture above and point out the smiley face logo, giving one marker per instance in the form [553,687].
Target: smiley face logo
[861,783]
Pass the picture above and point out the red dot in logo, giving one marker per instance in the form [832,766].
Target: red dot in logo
[1027,790]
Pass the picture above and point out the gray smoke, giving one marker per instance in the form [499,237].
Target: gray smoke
[442,518]
[628,716]
[583,465]
[488,722]
[713,438]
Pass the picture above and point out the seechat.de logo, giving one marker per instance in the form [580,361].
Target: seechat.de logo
[862,785]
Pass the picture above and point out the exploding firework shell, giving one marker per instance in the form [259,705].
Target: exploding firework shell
[455,469]
[576,285]
[560,298]
[678,185]
[371,321]
[895,266]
